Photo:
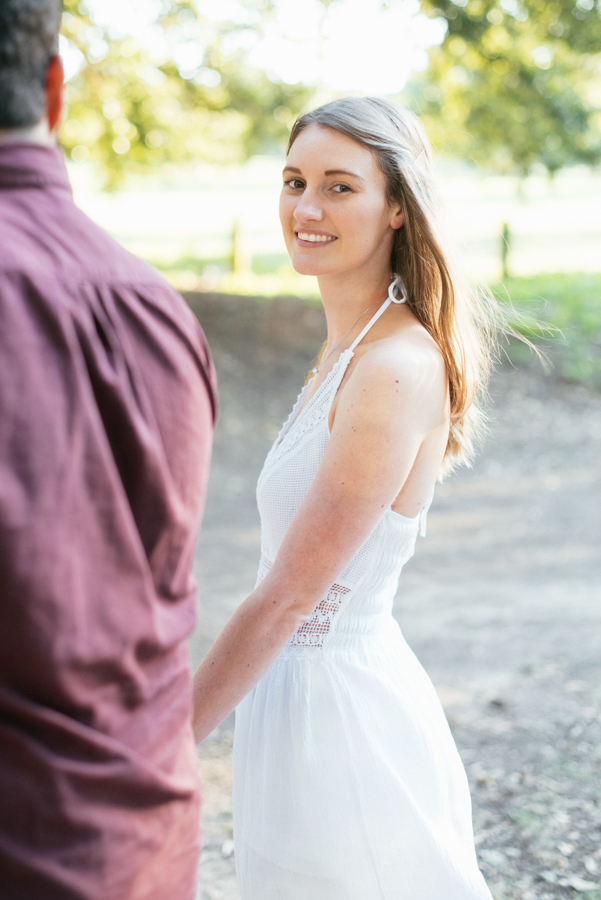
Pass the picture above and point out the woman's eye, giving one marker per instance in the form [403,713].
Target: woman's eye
[341,188]
[295,183]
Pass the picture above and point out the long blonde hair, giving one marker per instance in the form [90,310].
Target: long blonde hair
[462,321]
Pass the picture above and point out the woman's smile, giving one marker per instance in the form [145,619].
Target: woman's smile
[314,238]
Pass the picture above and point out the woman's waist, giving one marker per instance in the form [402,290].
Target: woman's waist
[345,634]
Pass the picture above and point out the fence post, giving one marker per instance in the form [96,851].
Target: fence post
[505,246]
[241,258]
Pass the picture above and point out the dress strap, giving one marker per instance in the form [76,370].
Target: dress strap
[396,282]
[424,515]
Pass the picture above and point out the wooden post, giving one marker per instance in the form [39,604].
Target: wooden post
[505,245]
[241,258]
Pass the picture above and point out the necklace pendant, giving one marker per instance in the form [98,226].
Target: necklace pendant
[315,370]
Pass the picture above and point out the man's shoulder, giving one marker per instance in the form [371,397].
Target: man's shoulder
[52,250]
[60,242]
[55,260]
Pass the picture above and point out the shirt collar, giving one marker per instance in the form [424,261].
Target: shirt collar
[24,164]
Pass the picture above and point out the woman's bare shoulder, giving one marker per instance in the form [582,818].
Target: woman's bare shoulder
[399,379]
[409,355]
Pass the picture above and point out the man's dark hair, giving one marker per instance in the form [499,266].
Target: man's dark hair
[28,41]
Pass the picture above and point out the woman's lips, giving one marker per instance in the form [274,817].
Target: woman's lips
[313,239]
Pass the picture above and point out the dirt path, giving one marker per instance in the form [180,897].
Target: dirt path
[501,603]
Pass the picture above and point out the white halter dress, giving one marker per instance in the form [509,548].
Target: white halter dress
[347,782]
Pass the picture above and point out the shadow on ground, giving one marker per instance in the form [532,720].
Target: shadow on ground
[501,603]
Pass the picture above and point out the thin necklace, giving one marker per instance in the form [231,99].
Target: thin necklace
[318,367]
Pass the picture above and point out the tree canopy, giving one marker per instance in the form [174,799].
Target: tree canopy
[186,95]
[516,82]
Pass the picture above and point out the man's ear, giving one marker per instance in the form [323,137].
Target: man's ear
[55,93]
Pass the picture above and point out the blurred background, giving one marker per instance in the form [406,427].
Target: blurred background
[175,138]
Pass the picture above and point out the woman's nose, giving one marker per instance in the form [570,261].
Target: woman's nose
[307,209]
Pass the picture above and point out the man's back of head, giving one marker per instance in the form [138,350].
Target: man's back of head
[28,43]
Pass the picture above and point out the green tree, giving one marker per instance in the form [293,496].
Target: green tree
[515,82]
[133,107]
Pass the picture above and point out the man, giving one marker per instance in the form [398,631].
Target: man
[107,403]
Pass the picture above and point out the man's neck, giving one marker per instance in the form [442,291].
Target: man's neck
[36,134]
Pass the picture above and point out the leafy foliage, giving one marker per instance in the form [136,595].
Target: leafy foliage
[133,107]
[516,82]
[568,303]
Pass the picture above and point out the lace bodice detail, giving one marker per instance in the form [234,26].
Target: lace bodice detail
[364,591]
[312,632]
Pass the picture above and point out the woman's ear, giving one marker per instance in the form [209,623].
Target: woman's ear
[397,216]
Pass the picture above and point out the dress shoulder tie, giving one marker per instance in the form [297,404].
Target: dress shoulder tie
[396,282]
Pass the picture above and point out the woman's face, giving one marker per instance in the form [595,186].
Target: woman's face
[333,208]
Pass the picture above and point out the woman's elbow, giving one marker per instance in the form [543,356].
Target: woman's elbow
[290,608]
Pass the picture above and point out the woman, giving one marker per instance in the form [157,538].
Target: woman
[347,783]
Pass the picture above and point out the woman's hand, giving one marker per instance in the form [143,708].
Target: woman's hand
[388,438]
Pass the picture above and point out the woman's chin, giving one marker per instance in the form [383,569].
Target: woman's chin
[306,266]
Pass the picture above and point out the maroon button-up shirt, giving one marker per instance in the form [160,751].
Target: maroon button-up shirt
[107,402]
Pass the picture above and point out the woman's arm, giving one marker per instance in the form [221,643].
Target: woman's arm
[390,404]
